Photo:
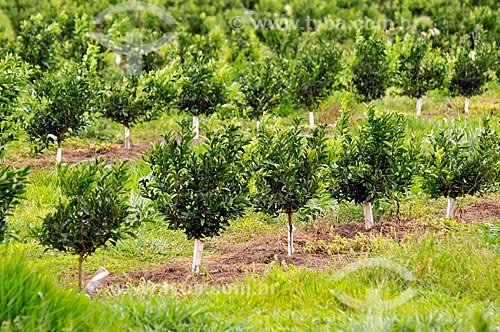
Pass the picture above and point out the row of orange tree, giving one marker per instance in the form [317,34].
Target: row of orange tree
[60,103]
[200,188]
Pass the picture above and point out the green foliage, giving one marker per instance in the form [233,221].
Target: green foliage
[470,75]
[421,68]
[201,93]
[459,161]
[263,86]
[37,42]
[315,74]
[129,101]
[14,76]
[287,165]
[166,87]
[198,189]
[62,101]
[372,162]
[370,68]
[93,212]
[12,187]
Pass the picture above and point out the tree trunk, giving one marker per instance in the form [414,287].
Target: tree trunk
[257,126]
[450,209]
[197,255]
[290,234]
[368,212]
[80,267]
[419,106]
[59,152]
[196,126]
[467,103]
[311,119]
[118,59]
[127,137]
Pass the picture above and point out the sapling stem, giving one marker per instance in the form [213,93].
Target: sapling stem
[127,137]
[80,272]
[197,255]
[450,209]
[59,152]
[419,106]
[368,212]
[290,234]
[196,126]
[467,103]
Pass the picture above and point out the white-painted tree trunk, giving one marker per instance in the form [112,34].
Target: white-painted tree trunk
[311,119]
[59,152]
[419,106]
[290,235]
[93,287]
[257,126]
[118,59]
[197,255]
[450,209]
[196,127]
[127,138]
[473,55]
[467,103]
[368,212]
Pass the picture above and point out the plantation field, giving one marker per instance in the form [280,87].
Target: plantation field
[245,165]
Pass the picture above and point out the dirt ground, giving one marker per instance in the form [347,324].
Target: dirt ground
[111,153]
[255,257]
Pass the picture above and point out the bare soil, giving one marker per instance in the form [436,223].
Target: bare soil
[111,153]
[255,257]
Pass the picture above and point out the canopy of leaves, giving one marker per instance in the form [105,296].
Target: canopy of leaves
[372,162]
[198,189]
[262,84]
[315,74]
[459,161]
[61,101]
[370,68]
[12,187]
[201,93]
[165,86]
[470,75]
[93,211]
[14,76]
[129,101]
[37,43]
[421,68]
[287,165]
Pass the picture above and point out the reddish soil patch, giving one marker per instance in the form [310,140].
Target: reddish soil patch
[235,263]
[390,229]
[480,212]
[111,153]
[255,257]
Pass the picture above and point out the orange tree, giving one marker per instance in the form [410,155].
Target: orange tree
[287,165]
[198,189]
